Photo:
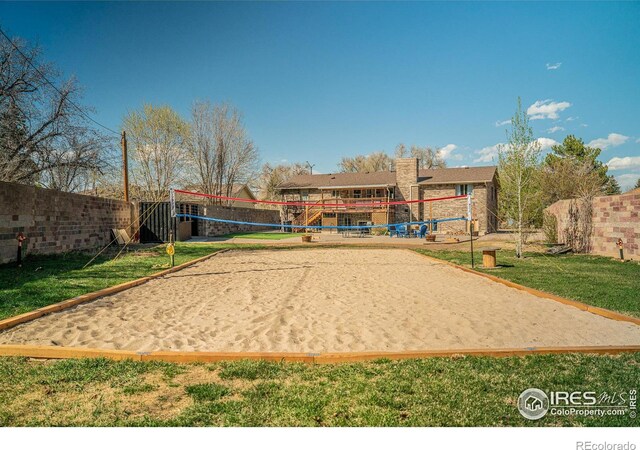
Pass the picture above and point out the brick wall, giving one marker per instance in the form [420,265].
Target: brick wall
[613,217]
[56,222]
[406,180]
[240,214]
[480,205]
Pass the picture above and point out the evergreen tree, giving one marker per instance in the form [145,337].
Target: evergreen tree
[611,187]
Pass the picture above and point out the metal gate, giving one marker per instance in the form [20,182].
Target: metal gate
[156,222]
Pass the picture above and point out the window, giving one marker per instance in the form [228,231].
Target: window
[304,195]
[464,189]
[357,193]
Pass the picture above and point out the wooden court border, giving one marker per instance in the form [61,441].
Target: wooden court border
[57,352]
[66,304]
[54,352]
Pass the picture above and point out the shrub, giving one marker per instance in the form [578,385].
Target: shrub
[550,227]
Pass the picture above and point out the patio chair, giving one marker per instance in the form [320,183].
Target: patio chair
[421,232]
[402,231]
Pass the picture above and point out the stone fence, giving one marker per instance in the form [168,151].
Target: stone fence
[238,214]
[56,222]
[613,217]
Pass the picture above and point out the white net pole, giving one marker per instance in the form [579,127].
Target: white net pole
[172,202]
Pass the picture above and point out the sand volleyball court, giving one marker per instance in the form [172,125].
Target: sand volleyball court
[321,300]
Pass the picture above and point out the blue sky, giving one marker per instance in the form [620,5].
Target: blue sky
[317,81]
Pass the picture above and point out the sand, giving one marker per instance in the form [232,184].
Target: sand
[319,301]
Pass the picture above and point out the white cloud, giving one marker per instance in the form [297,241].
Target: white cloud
[500,123]
[447,150]
[613,140]
[571,119]
[546,109]
[584,125]
[553,66]
[626,162]
[627,180]
[488,154]
[554,129]
[546,143]
[638,140]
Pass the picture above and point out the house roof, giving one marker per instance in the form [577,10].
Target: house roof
[336,180]
[235,191]
[388,178]
[457,175]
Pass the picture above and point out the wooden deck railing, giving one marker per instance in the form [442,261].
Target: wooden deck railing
[313,212]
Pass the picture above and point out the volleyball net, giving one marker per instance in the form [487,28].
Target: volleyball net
[335,206]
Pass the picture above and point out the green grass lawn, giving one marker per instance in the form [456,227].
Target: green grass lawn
[269,236]
[470,391]
[595,280]
[465,391]
[44,280]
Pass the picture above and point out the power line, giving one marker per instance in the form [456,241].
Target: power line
[28,61]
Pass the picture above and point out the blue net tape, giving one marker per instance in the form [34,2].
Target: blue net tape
[319,227]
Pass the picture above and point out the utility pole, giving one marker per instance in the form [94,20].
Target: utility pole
[310,166]
[125,166]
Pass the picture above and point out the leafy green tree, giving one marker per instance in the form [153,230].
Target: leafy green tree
[518,169]
[637,186]
[158,136]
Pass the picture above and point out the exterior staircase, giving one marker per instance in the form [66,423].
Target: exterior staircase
[308,218]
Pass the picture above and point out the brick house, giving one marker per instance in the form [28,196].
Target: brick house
[407,182]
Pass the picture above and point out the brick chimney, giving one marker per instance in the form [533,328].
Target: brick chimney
[406,180]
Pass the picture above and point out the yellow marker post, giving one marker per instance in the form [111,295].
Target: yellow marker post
[171,251]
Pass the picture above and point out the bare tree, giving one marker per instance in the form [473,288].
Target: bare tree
[157,135]
[219,148]
[78,167]
[401,151]
[428,158]
[272,176]
[567,178]
[39,124]
[374,162]
[518,169]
